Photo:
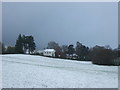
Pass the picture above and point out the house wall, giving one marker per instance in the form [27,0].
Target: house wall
[47,53]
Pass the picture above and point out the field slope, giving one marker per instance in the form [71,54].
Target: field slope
[27,71]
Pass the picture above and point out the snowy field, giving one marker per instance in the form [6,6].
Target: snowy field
[27,71]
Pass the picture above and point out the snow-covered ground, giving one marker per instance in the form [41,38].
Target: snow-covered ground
[27,71]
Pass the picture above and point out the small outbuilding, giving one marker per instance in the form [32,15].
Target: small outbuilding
[49,52]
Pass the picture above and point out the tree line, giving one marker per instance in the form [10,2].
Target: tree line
[104,55]
[24,44]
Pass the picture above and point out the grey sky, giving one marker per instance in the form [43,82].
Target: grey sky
[87,22]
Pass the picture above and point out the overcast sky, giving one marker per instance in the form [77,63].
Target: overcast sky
[65,23]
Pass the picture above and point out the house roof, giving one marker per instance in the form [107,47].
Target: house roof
[49,50]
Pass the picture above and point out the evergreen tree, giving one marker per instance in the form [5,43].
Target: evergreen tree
[71,50]
[24,43]
[19,45]
[30,44]
[82,51]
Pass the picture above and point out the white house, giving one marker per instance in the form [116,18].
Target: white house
[49,52]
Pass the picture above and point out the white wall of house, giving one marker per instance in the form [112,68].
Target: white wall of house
[49,52]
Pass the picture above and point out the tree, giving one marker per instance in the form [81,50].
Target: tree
[64,50]
[102,55]
[54,45]
[19,45]
[78,49]
[119,50]
[2,48]
[30,44]
[59,52]
[82,51]
[90,54]
[24,43]
[10,50]
[107,47]
[71,50]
